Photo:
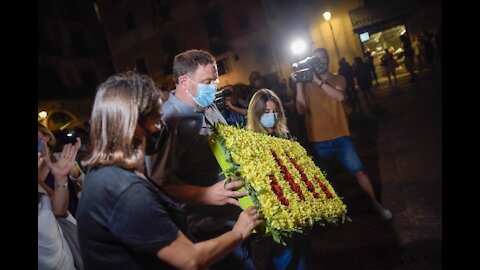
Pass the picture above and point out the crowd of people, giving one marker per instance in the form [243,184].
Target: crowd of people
[149,188]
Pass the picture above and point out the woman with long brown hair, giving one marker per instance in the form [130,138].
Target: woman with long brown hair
[125,221]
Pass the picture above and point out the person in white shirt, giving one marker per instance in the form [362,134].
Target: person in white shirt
[53,250]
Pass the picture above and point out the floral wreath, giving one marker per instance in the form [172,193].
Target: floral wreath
[283,181]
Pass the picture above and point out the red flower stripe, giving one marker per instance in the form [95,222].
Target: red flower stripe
[304,177]
[278,190]
[288,177]
[324,188]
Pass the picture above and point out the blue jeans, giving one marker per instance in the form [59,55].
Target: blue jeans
[344,150]
[296,252]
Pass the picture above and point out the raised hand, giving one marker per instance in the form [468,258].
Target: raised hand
[64,164]
[293,75]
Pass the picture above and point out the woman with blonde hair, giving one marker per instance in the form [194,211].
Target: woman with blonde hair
[45,177]
[266,114]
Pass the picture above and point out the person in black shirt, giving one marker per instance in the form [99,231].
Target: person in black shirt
[125,221]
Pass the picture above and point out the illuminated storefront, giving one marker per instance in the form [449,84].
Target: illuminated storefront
[379,24]
[389,39]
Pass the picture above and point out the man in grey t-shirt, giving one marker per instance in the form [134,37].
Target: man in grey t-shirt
[192,174]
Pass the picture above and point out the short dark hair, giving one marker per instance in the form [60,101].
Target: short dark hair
[321,50]
[189,61]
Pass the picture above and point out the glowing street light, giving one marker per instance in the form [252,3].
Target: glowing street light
[327,16]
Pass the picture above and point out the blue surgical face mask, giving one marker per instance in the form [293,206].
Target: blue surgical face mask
[268,120]
[205,94]
[40,146]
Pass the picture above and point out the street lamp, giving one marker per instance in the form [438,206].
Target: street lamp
[327,16]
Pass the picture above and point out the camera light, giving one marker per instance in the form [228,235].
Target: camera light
[298,47]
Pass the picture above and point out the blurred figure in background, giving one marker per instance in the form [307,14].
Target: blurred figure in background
[364,81]
[427,48]
[233,112]
[390,65]
[369,61]
[409,55]
[348,73]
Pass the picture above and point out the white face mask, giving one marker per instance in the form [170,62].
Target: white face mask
[268,120]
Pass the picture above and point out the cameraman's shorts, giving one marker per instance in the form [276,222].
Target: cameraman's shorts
[344,150]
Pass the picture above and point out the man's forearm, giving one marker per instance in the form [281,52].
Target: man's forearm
[300,99]
[332,91]
[238,110]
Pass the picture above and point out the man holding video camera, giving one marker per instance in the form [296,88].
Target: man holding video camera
[319,97]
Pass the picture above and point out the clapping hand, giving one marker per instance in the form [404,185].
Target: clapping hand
[64,164]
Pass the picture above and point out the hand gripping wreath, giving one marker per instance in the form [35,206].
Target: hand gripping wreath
[283,181]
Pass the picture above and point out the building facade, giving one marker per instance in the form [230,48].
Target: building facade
[73,56]
[246,35]
[146,35]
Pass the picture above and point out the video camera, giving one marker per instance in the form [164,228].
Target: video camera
[220,96]
[304,69]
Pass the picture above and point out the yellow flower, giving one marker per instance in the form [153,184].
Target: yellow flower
[260,158]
